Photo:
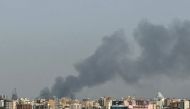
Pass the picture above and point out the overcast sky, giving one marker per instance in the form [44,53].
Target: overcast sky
[43,39]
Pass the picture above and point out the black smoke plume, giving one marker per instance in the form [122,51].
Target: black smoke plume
[164,50]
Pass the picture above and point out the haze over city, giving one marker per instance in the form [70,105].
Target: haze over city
[95,48]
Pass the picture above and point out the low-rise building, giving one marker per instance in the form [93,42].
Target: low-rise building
[75,106]
[184,104]
[118,104]
[24,106]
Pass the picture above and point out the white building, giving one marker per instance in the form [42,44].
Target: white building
[75,106]
[184,104]
[1,103]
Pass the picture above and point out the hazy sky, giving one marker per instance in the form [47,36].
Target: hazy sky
[43,39]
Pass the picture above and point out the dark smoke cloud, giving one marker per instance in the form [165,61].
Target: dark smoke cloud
[163,51]
[45,93]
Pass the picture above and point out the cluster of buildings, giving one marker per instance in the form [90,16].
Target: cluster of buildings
[101,103]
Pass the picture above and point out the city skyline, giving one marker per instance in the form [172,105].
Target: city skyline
[43,40]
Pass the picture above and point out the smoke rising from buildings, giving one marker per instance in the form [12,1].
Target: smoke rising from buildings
[164,50]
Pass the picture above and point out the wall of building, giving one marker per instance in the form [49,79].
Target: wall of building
[24,106]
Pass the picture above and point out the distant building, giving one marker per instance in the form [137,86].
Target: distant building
[3,97]
[24,103]
[152,105]
[14,104]
[40,104]
[119,107]
[8,104]
[52,104]
[118,104]
[133,103]
[24,106]
[105,102]
[1,103]
[184,104]
[167,102]
[75,106]
[87,104]
[141,104]
[174,105]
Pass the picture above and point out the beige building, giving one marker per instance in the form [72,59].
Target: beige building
[65,103]
[152,105]
[52,104]
[184,104]
[75,106]
[105,102]
[87,104]
[8,104]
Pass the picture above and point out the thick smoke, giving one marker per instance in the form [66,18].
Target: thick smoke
[163,51]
